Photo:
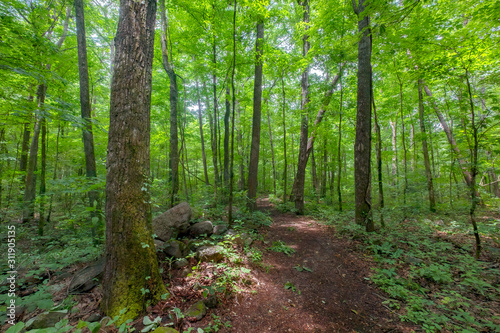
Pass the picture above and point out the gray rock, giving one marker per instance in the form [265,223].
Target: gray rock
[46,319]
[180,263]
[55,288]
[201,228]
[94,317]
[173,222]
[174,248]
[159,244]
[220,229]
[87,278]
[197,311]
[211,253]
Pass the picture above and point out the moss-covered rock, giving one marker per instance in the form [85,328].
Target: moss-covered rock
[197,311]
[46,319]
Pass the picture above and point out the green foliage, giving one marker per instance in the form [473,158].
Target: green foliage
[280,246]
[150,325]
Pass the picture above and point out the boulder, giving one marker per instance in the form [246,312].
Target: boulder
[180,263]
[87,278]
[197,311]
[201,228]
[174,248]
[159,244]
[220,229]
[173,222]
[45,320]
[211,253]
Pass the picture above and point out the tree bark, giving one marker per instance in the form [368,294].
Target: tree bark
[174,137]
[378,149]
[428,172]
[253,168]
[395,172]
[403,140]
[272,148]
[362,146]
[226,139]
[131,278]
[86,110]
[285,166]
[231,181]
[200,121]
[30,187]
[43,173]
[213,143]
[299,182]
[339,148]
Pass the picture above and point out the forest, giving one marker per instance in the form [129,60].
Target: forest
[248,166]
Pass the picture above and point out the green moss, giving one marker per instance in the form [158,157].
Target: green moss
[137,281]
[165,330]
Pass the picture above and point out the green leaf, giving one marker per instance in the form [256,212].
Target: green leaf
[16,328]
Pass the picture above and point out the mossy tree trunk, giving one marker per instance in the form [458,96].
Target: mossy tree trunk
[131,276]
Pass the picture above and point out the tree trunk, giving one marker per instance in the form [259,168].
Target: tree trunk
[403,140]
[226,139]
[394,153]
[428,173]
[314,175]
[25,146]
[324,171]
[54,177]
[362,146]
[30,187]
[174,138]
[131,278]
[253,168]
[299,182]
[213,145]
[241,150]
[86,111]
[378,148]
[339,156]
[43,173]
[272,150]
[285,166]
[200,121]
[231,181]
[474,199]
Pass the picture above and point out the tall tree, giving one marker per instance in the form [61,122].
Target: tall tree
[200,121]
[362,145]
[253,168]
[30,188]
[85,106]
[298,188]
[131,276]
[172,76]
[425,151]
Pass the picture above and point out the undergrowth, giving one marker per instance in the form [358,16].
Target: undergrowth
[426,267]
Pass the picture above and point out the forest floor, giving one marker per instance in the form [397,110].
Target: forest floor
[319,288]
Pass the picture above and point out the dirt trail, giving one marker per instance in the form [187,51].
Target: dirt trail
[334,297]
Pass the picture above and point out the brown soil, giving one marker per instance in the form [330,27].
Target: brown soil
[334,297]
